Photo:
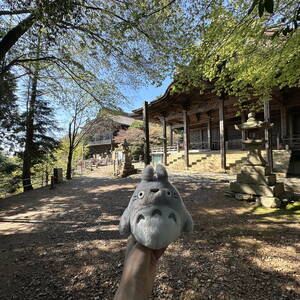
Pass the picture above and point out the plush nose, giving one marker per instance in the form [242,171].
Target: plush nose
[159,197]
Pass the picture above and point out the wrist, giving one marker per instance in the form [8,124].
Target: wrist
[133,289]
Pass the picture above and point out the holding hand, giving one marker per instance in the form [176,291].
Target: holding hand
[139,271]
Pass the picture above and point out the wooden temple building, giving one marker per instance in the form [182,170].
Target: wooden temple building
[102,141]
[210,140]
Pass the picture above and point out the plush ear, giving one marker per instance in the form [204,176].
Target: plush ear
[188,225]
[148,173]
[161,173]
[124,226]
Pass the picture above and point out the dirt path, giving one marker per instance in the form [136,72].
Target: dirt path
[65,244]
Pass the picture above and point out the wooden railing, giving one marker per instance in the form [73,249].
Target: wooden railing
[16,185]
[160,149]
[293,143]
[234,144]
[99,142]
[198,146]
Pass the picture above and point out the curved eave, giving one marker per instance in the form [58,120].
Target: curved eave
[138,113]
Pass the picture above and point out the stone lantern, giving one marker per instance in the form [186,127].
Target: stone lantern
[255,181]
[255,138]
[123,167]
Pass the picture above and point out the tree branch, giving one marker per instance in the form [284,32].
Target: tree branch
[14,34]
[19,76]
[128,21]
[159,9]
[98,37]
[18,61]
[14,12]
[73,76]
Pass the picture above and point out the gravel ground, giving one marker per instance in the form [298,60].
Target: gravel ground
[64,244]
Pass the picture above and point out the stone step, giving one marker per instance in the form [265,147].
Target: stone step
[255,189]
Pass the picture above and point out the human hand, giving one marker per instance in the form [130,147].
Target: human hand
[139,271]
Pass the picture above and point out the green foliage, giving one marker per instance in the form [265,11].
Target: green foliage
[292,211]
[136,151]
[10,174]
[43,144]
[61,154]
[137,124]
[8,109]
[7,165]
[134,41]
[104,113]
[243,56]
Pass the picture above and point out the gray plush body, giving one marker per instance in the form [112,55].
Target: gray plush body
[156,214]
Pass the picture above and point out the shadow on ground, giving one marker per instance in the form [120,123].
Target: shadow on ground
[65,244]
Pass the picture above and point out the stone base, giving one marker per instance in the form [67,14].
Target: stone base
[243,197]
[287,196]
[270,202]
[256,179]
[229,194]
[251,169]
[257,189]
[127,170]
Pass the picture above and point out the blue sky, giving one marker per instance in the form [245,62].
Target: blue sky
[136,100]
[147,93]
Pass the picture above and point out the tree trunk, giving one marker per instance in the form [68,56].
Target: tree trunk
[69,164]
[29,130]
[27,156]
[14,34]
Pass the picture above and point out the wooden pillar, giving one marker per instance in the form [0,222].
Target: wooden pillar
[283,123]
[209,141]
[186,137]
[268,136]
[171,135]
[222,134]
[291,130]
[146,132]
[164,140]
[243,120]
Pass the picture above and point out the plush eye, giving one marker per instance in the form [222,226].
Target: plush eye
[141,194]
[168,193]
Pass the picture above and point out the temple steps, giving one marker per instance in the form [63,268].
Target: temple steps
[174,158]
[197,162]
[211,162]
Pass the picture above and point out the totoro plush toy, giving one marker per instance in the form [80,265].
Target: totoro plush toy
[156,214]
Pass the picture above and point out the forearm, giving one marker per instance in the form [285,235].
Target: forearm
[138,274]
[131,289]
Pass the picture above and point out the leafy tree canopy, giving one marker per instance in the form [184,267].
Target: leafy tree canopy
[244,54]
[8,109]
[137,124]
[139,39]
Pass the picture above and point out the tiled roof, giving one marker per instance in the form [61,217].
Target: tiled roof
[124,120]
